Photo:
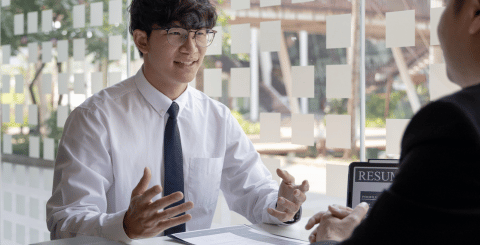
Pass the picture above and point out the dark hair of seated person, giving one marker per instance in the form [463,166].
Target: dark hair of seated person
[190,14]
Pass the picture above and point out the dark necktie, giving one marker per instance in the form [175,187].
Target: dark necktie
[173,162]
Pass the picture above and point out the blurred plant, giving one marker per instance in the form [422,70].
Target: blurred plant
[247,126]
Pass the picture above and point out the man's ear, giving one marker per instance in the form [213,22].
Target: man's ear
[474,27]
[141,40]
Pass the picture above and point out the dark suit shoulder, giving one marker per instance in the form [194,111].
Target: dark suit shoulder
[441,120]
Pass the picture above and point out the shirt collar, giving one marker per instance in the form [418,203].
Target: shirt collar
[157,99]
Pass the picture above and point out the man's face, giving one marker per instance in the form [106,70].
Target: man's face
[451,34]
[173,64]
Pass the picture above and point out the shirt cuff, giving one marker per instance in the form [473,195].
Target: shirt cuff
[296,218]
[113,228]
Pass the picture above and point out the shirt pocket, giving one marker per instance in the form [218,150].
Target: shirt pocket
[204,179]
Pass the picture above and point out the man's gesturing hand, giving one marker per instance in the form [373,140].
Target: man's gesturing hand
[142,219]
[290,197]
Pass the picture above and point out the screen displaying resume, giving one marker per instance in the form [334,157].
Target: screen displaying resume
[369,183]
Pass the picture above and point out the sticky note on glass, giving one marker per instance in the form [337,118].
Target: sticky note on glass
[240,36]
[115,12]
[62,114]
[7,144]
[272,164]
[240,4]
[115,47]
[303,129]
[216,47]
[5,84]
[19,84]
[5,113]
[395,5]
[34,182]
[439,84]
[79,49]
[47,19]
[19,114]
[18,24]
[339,31]
[400,29]
[34,211]
[136,52]
[79,16]
[34,147]
[33,114]
[268,3]
[20,205]
[97,82]
[303,78]
[96,14]
[6,51]
[435,15]
[32,20]
[62,50]
[193,83]
[339,81]
[212,82]
[270,35]
[339,130]
[395,130]
[46,83]
[5,3]
[32,52]
[63,79]
[270,127]
[301,1]
[240,82]
[46,52]
[48,149]
[79,83]
[7,196]
[114,78]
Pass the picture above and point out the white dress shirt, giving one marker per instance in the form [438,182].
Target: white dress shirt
[110,138]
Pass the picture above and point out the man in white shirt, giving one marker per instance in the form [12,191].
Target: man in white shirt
[125,139]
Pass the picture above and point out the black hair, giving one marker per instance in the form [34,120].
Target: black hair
[191,14]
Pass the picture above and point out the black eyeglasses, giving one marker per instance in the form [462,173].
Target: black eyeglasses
[177,36]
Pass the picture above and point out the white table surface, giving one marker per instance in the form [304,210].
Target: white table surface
[292,231]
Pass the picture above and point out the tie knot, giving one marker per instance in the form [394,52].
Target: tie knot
[173,110]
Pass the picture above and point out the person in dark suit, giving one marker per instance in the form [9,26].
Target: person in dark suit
[435,197]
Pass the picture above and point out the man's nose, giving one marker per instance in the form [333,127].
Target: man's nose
[190,44]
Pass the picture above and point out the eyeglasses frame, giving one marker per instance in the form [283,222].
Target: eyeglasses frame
[194,36]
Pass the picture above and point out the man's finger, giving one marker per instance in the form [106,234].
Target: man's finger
[287,178]
[305,186]
[313,236]
[358,213]
[143,183]
[165,201]
[342,207]
[150,193]
[165,224]
[339,213]
[286,204]
[315,219]
[300,197]
[173,211]
[282,216]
